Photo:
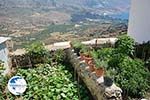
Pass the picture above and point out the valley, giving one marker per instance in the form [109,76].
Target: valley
[51,20]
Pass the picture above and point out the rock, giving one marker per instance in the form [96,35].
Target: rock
[100,79]
[113,92]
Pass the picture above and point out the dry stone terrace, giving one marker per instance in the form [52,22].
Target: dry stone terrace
[97,85]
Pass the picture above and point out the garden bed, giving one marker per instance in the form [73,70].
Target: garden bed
[49,82]
[49,78]
[118,63]
[101,88]
[59,80]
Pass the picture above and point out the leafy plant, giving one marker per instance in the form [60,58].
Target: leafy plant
[147,64]
[130,74]
[100,64]
[37,52]
[77,45]
[1,65]
[105,53]
[94,54]
[46,82]
[86,50]
[115,60]
[125,45]
[3,82]
[132,77]
[59,56]
[142,51]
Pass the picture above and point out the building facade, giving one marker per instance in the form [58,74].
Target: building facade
[139,20]
[4,52]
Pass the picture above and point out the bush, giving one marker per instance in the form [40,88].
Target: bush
[105,53]
[125,45]
[3,82]
[1,66]
[50,83]
[77,46]
[37,52]
[59,56]
[147,64]
[132,77]
[115,60]
[94,54]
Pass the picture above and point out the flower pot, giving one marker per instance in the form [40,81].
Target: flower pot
[87,59]
[91,67]
[90,62]
[99,72]
[82,56]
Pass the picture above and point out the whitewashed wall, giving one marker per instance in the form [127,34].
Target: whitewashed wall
[139,20]
[4,54]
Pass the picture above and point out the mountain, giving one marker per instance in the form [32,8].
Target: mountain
[109,6]
[19,16]
[26,20]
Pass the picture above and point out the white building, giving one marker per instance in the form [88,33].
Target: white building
[139,20]
[4,52]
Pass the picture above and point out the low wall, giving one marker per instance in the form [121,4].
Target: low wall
[101,88]
[21,61]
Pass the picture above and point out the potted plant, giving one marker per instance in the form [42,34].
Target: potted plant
[91,66]
[99,67]
[86,54]
[77,46]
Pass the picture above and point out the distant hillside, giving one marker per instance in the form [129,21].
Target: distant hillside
[27,20]
[97,6]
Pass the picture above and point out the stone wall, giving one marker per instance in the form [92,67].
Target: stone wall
[21,61]
[101,88]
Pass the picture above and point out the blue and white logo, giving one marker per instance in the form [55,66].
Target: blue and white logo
[17,85]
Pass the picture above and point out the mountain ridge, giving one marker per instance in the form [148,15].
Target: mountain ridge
[97,5]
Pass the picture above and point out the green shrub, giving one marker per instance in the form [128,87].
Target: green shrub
[94,54]
[115,60]
[132,77]
[50,83]
[147,64]
[77,46]
[101,64]
[125,45]
[1,66]
[37,52]
[59,56]
[105,53]
[3,84]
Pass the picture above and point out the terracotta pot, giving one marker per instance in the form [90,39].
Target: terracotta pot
[84,56]
[81,57]
[87,59]
[99,72]
[91,68]
[90,62]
